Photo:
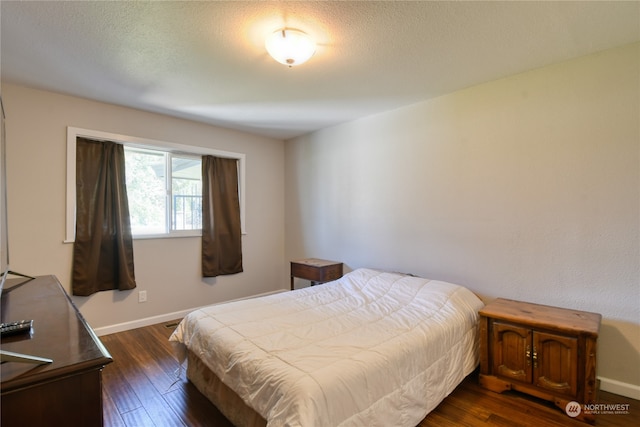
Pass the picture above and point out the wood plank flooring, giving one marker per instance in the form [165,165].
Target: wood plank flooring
[141,389]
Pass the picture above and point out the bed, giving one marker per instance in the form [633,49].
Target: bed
[372,348]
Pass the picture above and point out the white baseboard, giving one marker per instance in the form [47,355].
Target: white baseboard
[139,323]
[618,387]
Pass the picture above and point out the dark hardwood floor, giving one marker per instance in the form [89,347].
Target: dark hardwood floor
[141,389]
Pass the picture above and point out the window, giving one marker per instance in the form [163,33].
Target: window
[186,193]
[165,192]
[164,184]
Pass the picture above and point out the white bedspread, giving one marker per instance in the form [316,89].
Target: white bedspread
[369,349]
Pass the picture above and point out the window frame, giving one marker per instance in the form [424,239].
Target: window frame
[168,183]
[143,143]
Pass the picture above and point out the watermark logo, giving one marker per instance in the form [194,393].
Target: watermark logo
[573,409]
[606,409]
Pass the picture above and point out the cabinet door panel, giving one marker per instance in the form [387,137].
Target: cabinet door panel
[556,362]
[512,351]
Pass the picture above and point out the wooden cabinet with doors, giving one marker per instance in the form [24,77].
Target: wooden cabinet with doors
[544,351]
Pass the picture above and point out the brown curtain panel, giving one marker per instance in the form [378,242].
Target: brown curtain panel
[103,248]
[221,230]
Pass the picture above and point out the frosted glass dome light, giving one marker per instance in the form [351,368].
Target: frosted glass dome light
[290,47]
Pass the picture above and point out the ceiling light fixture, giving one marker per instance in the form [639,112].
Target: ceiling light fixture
[290,47]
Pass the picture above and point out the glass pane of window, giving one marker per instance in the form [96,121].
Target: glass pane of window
[186,190]
[146,189]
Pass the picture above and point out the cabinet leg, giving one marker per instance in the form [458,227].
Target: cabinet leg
[567,407]
[494,383]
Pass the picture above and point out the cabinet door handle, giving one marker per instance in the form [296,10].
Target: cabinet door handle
[535,357]
[527,353]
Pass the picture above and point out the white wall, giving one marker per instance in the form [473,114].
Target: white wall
[525,188]
[168,269]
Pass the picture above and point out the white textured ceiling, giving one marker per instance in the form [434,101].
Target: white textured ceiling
[206,61]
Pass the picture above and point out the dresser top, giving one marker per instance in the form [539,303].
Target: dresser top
[60,333]
[544,316]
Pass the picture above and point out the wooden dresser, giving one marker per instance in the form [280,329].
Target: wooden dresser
[67,392]
[544,351]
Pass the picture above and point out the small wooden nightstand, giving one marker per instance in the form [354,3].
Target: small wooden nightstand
[315,270]
[547,352]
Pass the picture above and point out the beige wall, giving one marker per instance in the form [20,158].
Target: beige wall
[525,188]
[168,269]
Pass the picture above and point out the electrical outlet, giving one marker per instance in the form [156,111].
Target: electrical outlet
[142,296]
